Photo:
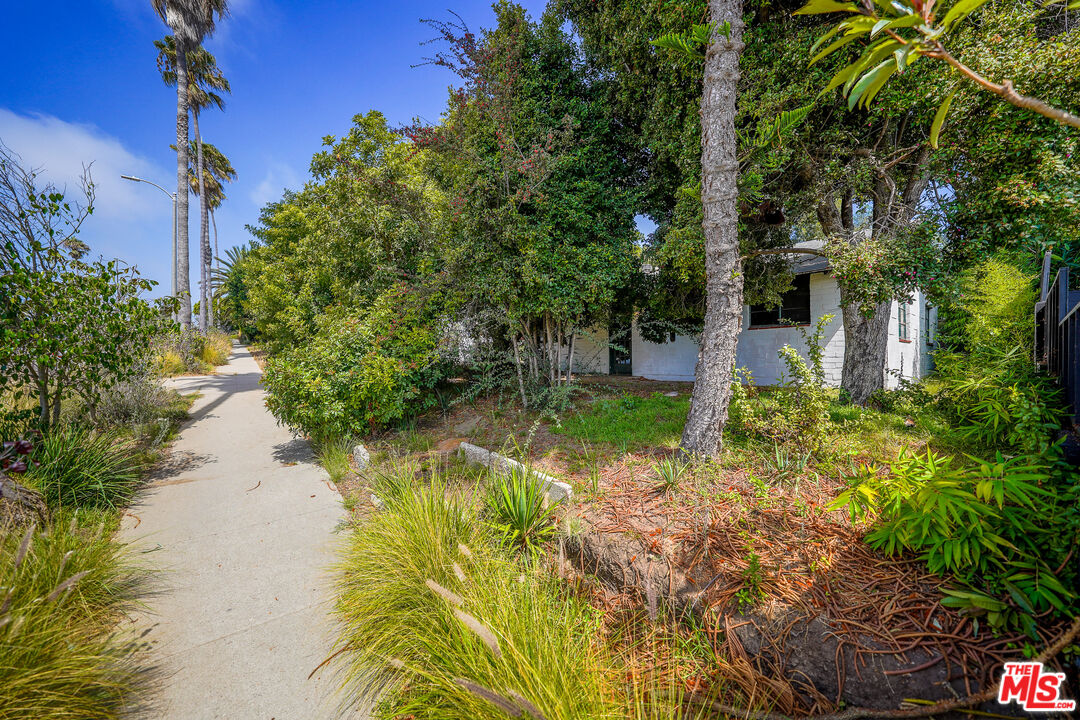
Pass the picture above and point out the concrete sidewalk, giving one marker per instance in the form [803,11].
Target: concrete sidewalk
[244,519]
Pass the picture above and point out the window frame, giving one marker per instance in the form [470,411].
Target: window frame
[903,322]
[775,316]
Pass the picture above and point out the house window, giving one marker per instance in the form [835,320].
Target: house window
[902,317]
[794,307]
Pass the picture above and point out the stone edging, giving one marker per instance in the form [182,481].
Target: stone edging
[556,489]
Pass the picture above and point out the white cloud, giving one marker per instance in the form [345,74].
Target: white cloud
[131,221]
[60,149]
[277,178]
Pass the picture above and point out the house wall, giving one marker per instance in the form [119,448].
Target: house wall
[758,348]
[664,361]
[591,351]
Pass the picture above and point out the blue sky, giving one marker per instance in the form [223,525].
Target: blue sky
[82,86]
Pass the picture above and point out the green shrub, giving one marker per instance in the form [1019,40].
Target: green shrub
[178,351]
[360,372]
[519,510]
[1003,526]
[996,399]
[216,348]
[63,590]
[994,311]
[80,468]
[137,399]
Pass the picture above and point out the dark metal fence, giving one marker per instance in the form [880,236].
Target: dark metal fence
[1057,336]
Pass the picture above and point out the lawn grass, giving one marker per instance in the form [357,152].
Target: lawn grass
[629,422]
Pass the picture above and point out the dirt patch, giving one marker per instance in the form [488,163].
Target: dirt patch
[794,589]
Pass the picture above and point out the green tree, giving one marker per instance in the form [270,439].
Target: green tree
[541,225]
[906,30]
[231,282]
[69,327]
[191,22]
[369,219]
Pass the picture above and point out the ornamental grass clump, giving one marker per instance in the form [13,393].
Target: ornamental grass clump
[81,468]
[62,589]
[506,640]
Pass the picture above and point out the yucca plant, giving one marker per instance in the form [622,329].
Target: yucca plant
[80,468]
[519,509]
[670,472]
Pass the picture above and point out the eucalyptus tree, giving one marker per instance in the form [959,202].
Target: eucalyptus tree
[191,22]
[205,82]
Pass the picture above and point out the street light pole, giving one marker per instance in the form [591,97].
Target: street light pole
[172,196]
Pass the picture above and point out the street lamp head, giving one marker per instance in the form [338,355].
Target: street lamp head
[131,177]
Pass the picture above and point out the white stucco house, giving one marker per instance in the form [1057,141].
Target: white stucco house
[765,331]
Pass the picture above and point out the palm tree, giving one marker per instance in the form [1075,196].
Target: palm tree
[191,22]
[205,80]
[211,191]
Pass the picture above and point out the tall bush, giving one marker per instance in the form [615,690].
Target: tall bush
[990,386]
[361,370]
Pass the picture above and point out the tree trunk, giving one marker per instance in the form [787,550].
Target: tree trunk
[866,349]
[214,260]
[521,383]
[570,359]
[183,275]
[703,433]
[43,395]
[20,506]
[204,230]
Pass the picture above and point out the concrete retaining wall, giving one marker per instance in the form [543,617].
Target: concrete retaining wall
[556,490]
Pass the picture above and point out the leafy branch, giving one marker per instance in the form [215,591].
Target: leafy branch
[901,32]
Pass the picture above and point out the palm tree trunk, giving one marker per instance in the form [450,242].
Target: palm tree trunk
[183,280]
[217,259]
[204,231]
[703,433]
